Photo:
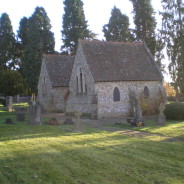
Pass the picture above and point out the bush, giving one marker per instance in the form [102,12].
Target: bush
[174,111]
[3,102]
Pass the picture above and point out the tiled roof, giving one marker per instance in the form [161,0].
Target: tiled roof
[119,61]
[59,69]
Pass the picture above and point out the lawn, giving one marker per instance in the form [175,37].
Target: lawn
[51,155]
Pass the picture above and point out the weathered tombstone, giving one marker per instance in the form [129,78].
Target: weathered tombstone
[20,116]
[17,98]
[9,121]
[34,113]
[68,121]
[33,98]
[137,121]
[9,104]
[161,117]
[78,126]
[53,122]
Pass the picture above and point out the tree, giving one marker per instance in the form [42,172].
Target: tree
[11,83]
[173,37]
[36,39]
[118,27]
[145,23]
[74,26]
[7,42]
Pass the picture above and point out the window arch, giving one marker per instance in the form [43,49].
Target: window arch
[116,94]
[77,85]
[146,92]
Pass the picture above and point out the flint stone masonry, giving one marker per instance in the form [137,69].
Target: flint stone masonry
[108,108]
[81,102]
[87,81]
[50,98]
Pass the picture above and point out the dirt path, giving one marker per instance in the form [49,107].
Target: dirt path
[102,125]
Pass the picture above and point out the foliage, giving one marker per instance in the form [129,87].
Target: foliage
[3,102]
[173,37]
[145,23]
[118,27]
[7,42]
[11,83]
[36,40]
[74,26]
[147,106]
[174,111]
[169,89]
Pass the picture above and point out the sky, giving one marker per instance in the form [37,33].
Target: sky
[97,13]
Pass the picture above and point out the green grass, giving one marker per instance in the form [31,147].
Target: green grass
[50,155]
[174,129]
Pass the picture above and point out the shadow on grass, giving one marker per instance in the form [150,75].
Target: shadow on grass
[105,160]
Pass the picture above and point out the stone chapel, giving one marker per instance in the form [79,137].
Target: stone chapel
[98,79]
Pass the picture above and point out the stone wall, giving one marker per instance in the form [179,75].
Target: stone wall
[44,87]
[107,107]
[51,98]
[78,101]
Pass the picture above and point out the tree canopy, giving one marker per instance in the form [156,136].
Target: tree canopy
[145,23]
[7,42]
[173,38]
[118,27]
[74,26]
[36,39]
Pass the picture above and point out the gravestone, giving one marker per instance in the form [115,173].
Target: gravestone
[9,121]
[78,126]
[34,113]
[68,121]
[137,120]
[161,117]
[9,104]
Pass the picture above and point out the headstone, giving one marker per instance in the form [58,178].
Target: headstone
[161,117]
[53,121]
[78,126]
[17,99]
[68,121]
[33,98]
[34,113]
[20,116]
[94,116]
[9,121]
[9,104]
[137,121]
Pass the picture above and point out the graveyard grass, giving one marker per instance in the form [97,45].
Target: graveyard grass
[52,155]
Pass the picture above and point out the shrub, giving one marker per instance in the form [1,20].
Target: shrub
[3,102]
[174,111]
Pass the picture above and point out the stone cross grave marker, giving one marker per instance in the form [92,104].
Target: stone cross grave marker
[78,126]
[34,113]
[9,104]
[161,117]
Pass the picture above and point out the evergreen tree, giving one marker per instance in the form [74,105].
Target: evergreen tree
[173,36]
[36,39]
[145,23]
[118,27]
[11,83]
[7,42]
[74,26]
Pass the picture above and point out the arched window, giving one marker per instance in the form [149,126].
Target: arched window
[146,92]
[85,84]
[81,81]
[116,94]
[77,85]
[44,87]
